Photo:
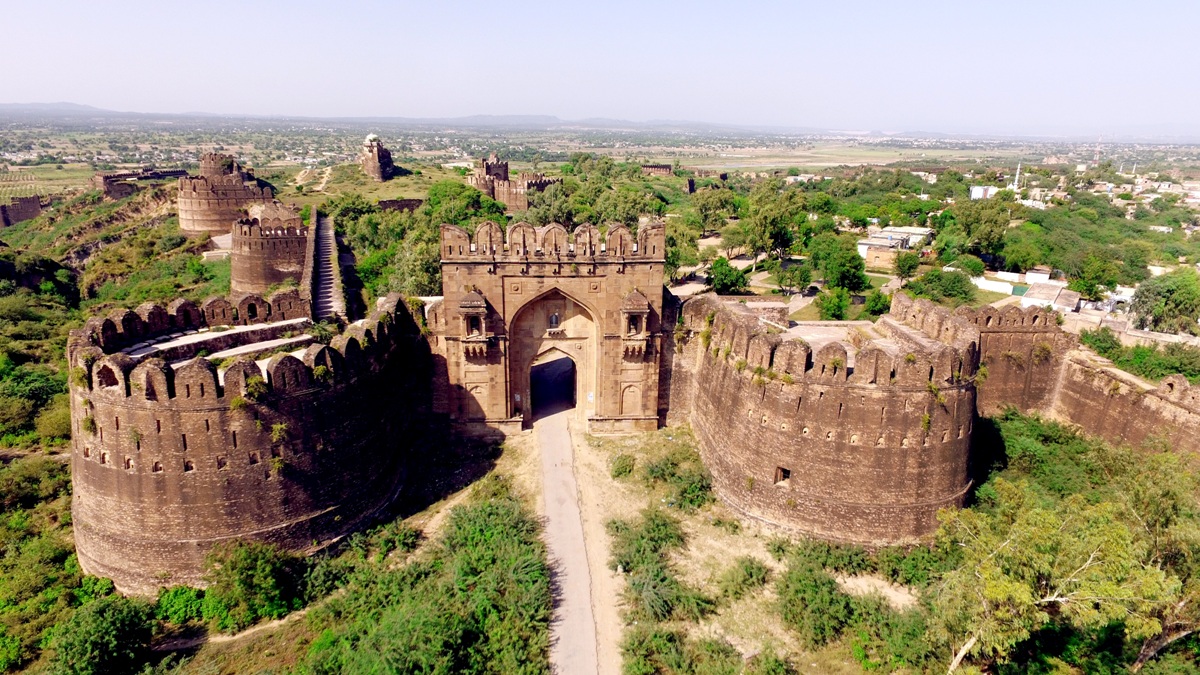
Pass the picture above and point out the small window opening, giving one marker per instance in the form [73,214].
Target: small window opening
[206,424]
[187,391]
[473,325]
[635,325]
[128,463]
[235,440]
[276,452]
[782,475]
[252,311]
[104,458]
[188,466]
[117,423]
[253,457]
[157,468]
[184,438]
[87,452]
[201,391]
[221,463]
[554,320]
[158,426]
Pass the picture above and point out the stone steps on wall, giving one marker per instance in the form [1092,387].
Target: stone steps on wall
[327,302]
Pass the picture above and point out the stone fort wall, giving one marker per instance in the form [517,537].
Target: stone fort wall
[211,202]
[866,453]
[20,209]
[1023,351]
[170,459]
[504,294]
[267,252]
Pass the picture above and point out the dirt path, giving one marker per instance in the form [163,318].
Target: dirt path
[325,174]
[573,628]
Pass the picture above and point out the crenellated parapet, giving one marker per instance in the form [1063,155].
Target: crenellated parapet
[211,202]
[283,440]
[845,430]
[269,249]
[523,242]
[1023,350]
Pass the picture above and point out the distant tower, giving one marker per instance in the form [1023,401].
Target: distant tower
[1016,184]
[376,160]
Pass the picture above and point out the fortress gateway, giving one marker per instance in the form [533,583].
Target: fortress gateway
[196,424]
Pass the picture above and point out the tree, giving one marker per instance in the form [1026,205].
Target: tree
[878,303]
[725,279]
[714,207]
[108,636]
[907,263]
[733,237]
[833,304]
[1098,277]
[622,206]
[1026,564]
[795,277]
[846,269]
[1169,303]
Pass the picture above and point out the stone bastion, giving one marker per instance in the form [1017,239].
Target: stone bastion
[197,425]
[848,431]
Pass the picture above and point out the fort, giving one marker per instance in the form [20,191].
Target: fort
[376,160]
[276,438]
[195,424]
[20,209]
[490,177]
[122,184]
[268,248]
[210,202]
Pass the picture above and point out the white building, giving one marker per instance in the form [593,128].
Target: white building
[984,191]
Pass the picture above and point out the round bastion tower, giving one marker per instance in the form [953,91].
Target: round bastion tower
[197,425]
[849,431]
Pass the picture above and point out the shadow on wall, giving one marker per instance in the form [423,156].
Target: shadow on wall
[988,454]
[552,386]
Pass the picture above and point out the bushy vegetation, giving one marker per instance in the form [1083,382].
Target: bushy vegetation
[248,582]
[108,636]
[478,603]
[1152,362]
[399,250]
[688,483]
[953,288]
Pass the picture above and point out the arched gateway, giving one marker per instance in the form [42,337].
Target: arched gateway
[514,301]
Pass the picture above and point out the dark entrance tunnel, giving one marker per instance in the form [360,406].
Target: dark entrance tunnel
[552,386]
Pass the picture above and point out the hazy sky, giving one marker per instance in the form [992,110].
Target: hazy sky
[1046,67]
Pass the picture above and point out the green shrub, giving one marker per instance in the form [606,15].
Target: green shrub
[179,604]
[622,465]
[256,388]
[108,636]
[250,581]
[746,574]
[811,603]
[54,422]
[650,650]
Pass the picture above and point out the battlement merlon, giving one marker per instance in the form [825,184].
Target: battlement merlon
[888,353]
[523,242]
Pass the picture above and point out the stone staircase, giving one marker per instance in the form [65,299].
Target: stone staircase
[327,289]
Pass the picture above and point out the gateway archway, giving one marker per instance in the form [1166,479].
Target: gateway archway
[552,384]
[552,357]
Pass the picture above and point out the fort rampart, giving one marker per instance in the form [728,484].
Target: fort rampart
[173,453]
[266,253]
[211,202]
[853,442]
[20,209]
[1022,351]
